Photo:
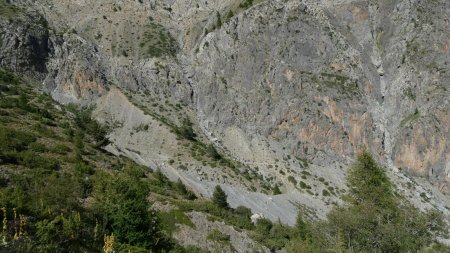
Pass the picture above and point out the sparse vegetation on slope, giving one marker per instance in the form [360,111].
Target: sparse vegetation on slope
[60,192]
[7,10]
[157,41]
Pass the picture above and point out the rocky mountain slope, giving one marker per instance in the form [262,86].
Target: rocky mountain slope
[61,192]
[286,91]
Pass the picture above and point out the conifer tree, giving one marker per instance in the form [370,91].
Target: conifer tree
[368,183]
[220,198]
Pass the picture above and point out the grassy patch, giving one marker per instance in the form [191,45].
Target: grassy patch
[303,162]
[173,217]
[378,42]
[345,85]
[339,82]
[233,217]
[217,236]
[7,10]
[246,4]
[409,93]
[158,42]
[410,118]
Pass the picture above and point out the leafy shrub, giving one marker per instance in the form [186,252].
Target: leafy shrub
[243,211]
[83,168]
[228,215]
[59,234]
[325,193]
[292,180]
[276,190]
[212,152]
[181,188]
[246,4]
[263,226]
[303,185]
[186,131]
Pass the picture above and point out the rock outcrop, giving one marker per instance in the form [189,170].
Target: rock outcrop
[24,40]
[290,89]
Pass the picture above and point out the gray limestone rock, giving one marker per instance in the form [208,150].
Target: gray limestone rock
[24,41]
[290,89]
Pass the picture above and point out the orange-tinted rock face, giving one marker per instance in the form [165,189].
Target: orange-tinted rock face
[82,86]
[334,129]
[424,147]
[359,14]
[445,48]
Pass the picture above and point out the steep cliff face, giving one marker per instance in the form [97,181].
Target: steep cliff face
[323,77]
[24,45]
[306,91]
[417,107]
[290,89]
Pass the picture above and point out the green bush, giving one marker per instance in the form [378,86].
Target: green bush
[303,185]
[276,190]
[84,121]
[121,201]
[181,188]
[243,211]
[263,226]
[83,169]
[292,180]
[7,77]
[185,130]
[212,152]
[246,4]
[59,234]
